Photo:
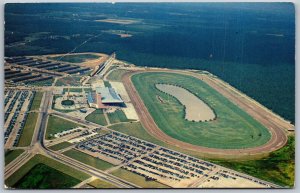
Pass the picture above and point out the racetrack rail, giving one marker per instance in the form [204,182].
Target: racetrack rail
[276,125]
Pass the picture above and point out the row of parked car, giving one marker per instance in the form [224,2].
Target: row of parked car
[19,100]
[157,161]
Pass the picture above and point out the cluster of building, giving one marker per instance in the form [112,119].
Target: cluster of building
[67,132]
[16,105]
[28,69]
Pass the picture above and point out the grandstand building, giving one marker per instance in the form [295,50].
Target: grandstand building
[102,97]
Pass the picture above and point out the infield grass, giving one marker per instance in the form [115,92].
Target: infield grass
[233,128]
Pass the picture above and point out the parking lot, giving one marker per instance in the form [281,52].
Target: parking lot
[157,163]
[16,106]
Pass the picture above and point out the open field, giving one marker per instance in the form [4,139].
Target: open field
[75,58]
[97,117]
[27,132]
[233,128]
[72,90]
[60,146]
[37,159]
[107,84]
[137,179]
[10,155]
[42,83]
[56,124]
[116,75]
[88,90]
[69,80]
[36,101]
[87,159]
[135,129]
[42,176]
[278,167]
[101,184]
[117,116]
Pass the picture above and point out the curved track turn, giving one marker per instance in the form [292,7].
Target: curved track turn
[276,125]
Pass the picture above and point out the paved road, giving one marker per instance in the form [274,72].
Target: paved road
[37,146]
[66,160]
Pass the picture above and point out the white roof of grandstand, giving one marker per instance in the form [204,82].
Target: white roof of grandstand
[108,95]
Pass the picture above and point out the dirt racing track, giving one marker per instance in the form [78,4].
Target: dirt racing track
[277,126]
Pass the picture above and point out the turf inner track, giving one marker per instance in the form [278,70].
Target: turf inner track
[234,131]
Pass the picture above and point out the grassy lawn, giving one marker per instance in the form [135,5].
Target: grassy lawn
[36,101]
[60,146]
[278,167]
[56,124]
[40,159]
[137,179]
[107,84]
[103,132]
[88,90]
[97,117]
[233,128]
[28,130]
[42,83]
[117,116]
[78,58]
[60,110]
[12,154]
[87,159]
[116,75]
[70,80]
[110,68]
[72,90]
[137,130]
[42,176]
[65,110]
[101,184]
